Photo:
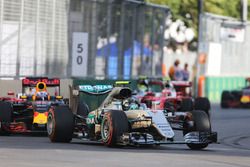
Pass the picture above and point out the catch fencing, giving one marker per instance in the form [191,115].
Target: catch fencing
[226,42]
[33,38]
[125,37]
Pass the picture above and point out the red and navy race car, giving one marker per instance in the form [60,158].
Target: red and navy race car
[237,98]
[172,96]
[27,111]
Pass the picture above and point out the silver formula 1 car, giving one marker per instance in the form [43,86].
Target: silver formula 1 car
[122,120]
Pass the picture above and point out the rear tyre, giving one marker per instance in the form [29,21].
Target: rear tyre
[60,124]
[202,103]
[201,124]
[83,109]
[186,104]
[113,126]
[226,97]
[5,117]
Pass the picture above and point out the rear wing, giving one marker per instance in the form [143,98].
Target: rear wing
[94,89]
[100,89]
[32,81]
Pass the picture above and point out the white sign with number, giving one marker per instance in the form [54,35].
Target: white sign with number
[79,54]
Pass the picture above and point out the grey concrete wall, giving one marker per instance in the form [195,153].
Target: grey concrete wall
[10,85]
[64,89]
[16,87]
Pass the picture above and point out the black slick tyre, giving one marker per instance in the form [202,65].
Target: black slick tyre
[5,116]
[186,105]
[113,126]
[202,103]
[226,98]
[6,111]
[201,124]
[60,124]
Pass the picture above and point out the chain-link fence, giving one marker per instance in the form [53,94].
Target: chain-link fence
[125,37]
[33,38]
[226,42]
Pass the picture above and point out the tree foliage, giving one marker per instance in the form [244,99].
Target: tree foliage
[183,9]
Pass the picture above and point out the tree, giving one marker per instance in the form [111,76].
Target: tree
[187,11]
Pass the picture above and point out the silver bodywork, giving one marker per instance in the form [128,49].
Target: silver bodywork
[147,126]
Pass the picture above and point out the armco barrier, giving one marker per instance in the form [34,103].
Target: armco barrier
[215,85]
[93,101]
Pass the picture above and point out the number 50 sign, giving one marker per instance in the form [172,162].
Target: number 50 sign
[79,54]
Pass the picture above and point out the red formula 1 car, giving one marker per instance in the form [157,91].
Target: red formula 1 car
[27,112]
[173,96]
[237,98]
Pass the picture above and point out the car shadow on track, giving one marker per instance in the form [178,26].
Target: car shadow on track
[43,143]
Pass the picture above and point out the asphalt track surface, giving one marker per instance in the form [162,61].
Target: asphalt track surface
[232,125]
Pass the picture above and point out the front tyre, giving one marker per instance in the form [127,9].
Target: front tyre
[60,124]
[202,103]
[113,126]
[201,124]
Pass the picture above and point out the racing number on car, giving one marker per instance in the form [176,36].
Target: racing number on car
[79,50]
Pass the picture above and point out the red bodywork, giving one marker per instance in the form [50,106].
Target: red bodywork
[169,95]
[16,127]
